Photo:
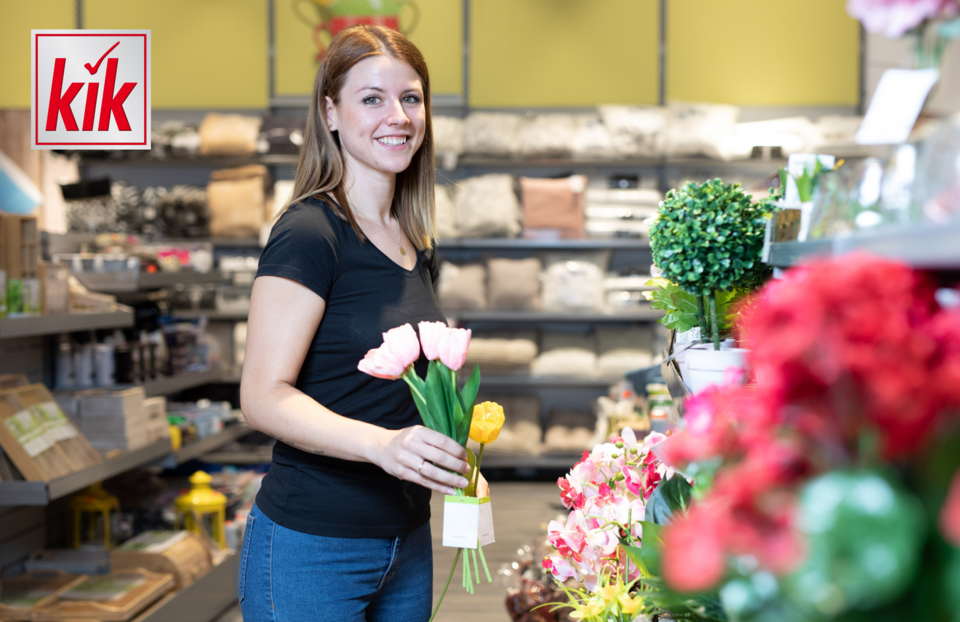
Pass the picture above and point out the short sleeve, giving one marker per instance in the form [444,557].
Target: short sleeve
[303,247]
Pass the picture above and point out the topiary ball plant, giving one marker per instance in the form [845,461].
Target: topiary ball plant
[708,238]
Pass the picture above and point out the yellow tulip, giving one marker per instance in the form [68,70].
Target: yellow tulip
[487,420]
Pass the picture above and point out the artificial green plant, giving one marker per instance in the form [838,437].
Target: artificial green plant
[708,239]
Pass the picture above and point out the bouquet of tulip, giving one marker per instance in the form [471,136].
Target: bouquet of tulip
[447,409]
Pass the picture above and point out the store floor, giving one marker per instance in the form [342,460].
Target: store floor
[520,508]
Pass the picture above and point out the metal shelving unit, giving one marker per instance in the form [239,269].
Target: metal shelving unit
[204,446]
[204,599]
[547,382]
[125,282]
[56,324]
[39,493]
[641,315]
[928,246]
[181,382]
[210,314]
[675,385]
[463,244]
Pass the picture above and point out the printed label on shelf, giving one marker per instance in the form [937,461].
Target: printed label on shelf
[29,432]
[153,541]
[56,424]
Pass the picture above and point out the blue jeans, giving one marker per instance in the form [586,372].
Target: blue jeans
[288,576]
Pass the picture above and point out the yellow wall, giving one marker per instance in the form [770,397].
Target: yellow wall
[564,52]
[438,33]
[762,53]
[17,19]
[205,53]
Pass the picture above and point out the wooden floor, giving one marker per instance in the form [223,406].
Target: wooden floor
[519,511]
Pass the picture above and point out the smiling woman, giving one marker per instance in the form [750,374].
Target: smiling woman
[340,529]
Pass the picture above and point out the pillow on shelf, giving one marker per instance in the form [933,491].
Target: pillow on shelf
[514,284]
[569,432]
[574,282]
[493,133]
[547,134]
[695,127]
[462,288]
[592,140]
[496,354]
[446,215]
[624,349]
[229,134]
[237,201]
[487,206]
[636,130]
[554,204]
[574,362]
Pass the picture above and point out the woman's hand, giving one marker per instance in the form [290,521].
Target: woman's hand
[423,456]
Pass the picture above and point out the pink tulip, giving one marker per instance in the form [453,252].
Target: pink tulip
[403,344]
[381,363]
[431,334]
[453,347]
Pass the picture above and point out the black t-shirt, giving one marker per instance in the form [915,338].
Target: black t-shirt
[366,294]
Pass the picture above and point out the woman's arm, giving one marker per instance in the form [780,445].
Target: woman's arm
[284,317]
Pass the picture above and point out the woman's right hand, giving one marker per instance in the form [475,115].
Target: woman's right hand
[423,456]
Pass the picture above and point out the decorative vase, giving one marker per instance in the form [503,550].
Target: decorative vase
[708,367]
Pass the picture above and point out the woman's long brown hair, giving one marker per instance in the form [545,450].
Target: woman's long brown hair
[321,168]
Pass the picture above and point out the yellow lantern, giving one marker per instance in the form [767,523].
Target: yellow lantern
[202,505]
[93,506]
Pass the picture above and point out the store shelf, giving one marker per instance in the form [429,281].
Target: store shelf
[240,458]
[553,382]
[198,162]
[210,314]
[181,382]
[204,600]
[640,315]
[928,246]
[204,446]
[567,162]
[460,244]
[57,324]
[39,493]
[529,462]
[121,282]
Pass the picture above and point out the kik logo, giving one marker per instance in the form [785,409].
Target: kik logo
[102,79]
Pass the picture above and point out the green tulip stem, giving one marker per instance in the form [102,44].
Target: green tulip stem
[476,567]
[444,592]
[484,561]
[475,477]
[413,387]
[714,327]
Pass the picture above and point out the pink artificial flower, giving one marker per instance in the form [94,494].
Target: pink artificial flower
[402,342]
[893,18]
[950,513]
[559,567]
[453,347]
[431,334]
[693,555]
[382,363]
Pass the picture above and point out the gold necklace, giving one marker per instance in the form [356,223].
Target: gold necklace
[399,234]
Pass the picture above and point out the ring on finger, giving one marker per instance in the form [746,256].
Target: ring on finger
[422,464]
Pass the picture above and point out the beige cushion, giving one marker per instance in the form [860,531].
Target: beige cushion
[462,287]
[514,283]
[229,134]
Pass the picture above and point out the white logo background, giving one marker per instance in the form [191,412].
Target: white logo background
[133,65]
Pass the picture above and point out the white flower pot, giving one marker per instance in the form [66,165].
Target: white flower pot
[683,349]
[708,367]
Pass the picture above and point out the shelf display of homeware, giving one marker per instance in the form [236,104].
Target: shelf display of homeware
[707,241]
[450,410]
[830,491]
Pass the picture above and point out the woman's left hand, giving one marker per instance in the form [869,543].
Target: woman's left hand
[483,488]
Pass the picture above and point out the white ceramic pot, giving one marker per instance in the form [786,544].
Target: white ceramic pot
[682,350]
[708,367]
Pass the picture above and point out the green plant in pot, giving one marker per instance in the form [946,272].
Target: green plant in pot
[707,240]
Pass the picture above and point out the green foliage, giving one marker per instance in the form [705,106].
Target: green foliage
[669,497]
[681,307]
[807,182]
[708,237]
[864,537]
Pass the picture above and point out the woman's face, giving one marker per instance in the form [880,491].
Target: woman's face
[381,116]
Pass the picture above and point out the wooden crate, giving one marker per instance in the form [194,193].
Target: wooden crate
[19,245]
[25,441]
[69,605]
[68,438]
[12,381]
[22,595]
[180,553]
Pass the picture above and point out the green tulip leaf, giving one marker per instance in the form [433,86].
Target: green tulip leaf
[669,497]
